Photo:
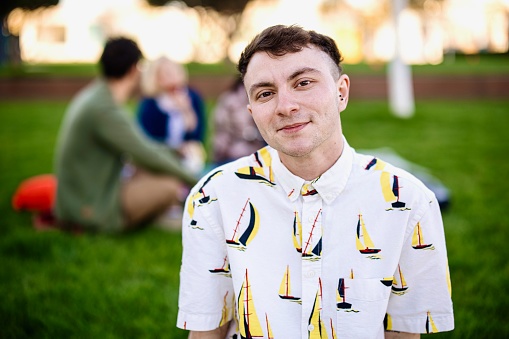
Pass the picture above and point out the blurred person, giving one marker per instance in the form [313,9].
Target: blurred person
[235,133]
[307,238]
[171,112]
[97,137]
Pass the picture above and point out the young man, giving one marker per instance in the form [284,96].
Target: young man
[97,137]
[306,238]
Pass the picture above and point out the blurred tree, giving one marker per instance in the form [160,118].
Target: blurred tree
[230,10]
[224,6]
[9,44]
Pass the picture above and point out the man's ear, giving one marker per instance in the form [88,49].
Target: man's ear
[343,85]
[249,109]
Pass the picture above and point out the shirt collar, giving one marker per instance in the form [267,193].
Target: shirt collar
[329,185]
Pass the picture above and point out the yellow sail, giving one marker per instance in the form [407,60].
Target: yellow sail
[225,312]
[267,161]
[270,335]
[432,328]
[448,277]
[247,170]
[403,281]
[417,238]
[190,205]
[314,330]
[242,311]
[317,330]
[385,182]
[380,165]
[249,322]
[297,237]
[285,287]
[359,245]
[367,239]
[388,322]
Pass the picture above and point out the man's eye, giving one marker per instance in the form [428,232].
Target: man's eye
[264,94]
[303,83]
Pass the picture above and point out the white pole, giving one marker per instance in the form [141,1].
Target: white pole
[399,74]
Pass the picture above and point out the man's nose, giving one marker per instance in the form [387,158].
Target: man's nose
[286,102]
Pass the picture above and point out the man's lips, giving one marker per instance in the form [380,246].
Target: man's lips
[293,127]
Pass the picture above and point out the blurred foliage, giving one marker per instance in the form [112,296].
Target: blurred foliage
[225,6]
[6,6]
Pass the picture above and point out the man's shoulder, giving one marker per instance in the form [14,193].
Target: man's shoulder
[95,96]
[368,164]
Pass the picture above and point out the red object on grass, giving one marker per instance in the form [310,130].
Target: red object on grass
[36,194]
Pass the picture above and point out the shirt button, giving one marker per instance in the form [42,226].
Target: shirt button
[310,274]
[311,219]
[311,328]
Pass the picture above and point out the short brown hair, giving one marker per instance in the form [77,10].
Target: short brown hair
[279,40]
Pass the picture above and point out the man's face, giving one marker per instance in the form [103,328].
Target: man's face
[295,101]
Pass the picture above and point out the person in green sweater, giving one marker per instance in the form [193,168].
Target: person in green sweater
[96,140]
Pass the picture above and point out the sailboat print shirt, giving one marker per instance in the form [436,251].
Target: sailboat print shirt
[357,251]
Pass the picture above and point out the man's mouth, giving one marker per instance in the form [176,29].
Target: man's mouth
[293,127]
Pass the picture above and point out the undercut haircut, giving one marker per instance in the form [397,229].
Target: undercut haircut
[280,39]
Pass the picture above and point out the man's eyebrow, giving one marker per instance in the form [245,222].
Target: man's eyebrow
[302,71]
[254,87]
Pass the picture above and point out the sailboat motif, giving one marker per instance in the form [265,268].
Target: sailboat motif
[314,253]
[241,241]
[285,289]
[418,239]
[368,247]
[249,324]
[334,335]
[376,163]
[269,330]
[264,159]
[430,324]
[225,314]
[225,269]
[307,190]
[399,285]
[388,322]
[253,173]
[297,232]
[391,193]
[200,198]
[317,328]
[340,296]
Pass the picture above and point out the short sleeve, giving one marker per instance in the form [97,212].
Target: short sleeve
[420,301]
[206,295]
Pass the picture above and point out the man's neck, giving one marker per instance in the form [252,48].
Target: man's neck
[120,90]
[312,166]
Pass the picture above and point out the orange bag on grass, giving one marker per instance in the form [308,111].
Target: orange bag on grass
[36,194]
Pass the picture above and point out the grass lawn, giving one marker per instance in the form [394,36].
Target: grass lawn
[56,285]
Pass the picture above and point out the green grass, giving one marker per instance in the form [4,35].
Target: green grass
[56,285]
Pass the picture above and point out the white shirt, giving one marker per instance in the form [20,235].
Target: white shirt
[356,255]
